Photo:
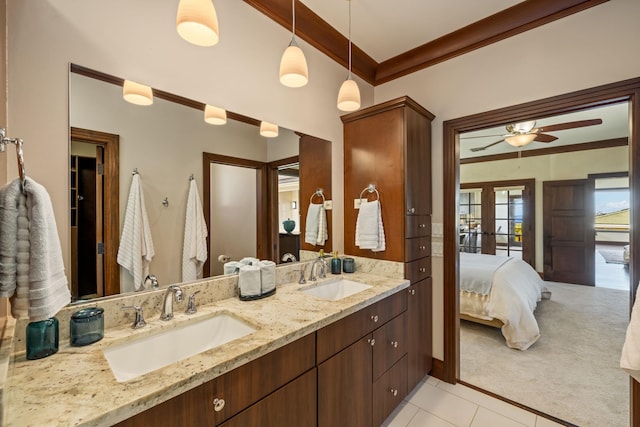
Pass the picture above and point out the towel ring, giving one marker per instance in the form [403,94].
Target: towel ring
[371,188]
[318,193]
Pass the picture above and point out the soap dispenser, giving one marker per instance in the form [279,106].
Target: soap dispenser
[336,264]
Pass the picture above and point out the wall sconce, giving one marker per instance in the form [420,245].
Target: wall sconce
[268,130]
[137,93]
[349,94]
[197,22]
[214,115]
[293,65]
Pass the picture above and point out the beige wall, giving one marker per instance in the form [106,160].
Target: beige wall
[3,111]
[576,165]
[584,50]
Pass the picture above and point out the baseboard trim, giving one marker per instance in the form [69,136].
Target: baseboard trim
[437,370]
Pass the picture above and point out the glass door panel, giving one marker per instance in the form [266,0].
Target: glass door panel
[470,221]
[509,216]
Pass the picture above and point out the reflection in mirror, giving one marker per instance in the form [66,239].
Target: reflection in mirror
[164,143]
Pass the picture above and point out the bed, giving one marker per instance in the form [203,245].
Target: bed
[501,292]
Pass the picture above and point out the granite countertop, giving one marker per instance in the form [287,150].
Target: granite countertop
[76,386]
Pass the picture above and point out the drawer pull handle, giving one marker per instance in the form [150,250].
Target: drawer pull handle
[422,225]
[372,341]
[411,210]
[218,404]
[422,248]
[422,270]
[412,291]
[394,344]
[374,318]
[394,392]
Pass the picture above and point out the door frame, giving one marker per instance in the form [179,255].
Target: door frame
[111,195]
[626,90]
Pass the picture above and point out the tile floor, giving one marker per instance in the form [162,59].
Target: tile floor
[434,403]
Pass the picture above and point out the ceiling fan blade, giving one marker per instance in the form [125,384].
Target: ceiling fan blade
[571,125]
[480,136]
[474,149]
[543,137]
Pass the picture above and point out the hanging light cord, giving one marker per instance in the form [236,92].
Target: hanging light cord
[293,29]
[349,39]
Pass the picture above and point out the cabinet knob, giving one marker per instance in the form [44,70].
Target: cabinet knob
[394,344]
[422,225]
[411,210]
[422,269]
[218,404]
[372,341]
[412,291]
[374,318]
[394,392]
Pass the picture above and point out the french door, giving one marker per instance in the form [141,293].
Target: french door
[498,218]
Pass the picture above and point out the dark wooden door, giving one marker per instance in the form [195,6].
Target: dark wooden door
[568,231]
[87,243]
[345,387]
[419,332]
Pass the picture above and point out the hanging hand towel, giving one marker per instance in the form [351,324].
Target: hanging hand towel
[316,225]
[194,248]
[630,359]
[136,245]
[249,281]
[369,228]
[48,288]
[9,195]
[20,300]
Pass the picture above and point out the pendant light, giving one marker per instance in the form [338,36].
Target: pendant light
[137,93]
[349,95]
[268,130]
[197,22]
[214,115]
[293,65]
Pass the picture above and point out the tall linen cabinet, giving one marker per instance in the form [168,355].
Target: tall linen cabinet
[389,145]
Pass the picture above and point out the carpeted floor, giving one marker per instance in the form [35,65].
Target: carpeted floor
[572,372]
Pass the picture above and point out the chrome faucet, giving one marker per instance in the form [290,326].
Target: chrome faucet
[323,269]
[167,302]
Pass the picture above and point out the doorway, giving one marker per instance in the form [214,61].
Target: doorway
[626,91]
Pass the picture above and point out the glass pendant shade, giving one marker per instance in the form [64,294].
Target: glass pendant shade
[197,22]
[137,93]
[349,96]
[268,130]
[214,115]
[521,139]
[293,67]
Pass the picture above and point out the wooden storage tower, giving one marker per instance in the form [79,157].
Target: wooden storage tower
[389,145]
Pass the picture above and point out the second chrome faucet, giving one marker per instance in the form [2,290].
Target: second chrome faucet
[172,292]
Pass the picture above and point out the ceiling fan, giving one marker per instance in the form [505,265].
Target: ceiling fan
[523,133]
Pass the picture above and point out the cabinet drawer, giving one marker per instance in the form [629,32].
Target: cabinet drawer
[418,247]
[389,390]
[249,383]
[418,270]
[417,225]
[390,344]
[338,335]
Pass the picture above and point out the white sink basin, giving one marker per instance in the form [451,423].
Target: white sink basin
[336,289]
[134,358]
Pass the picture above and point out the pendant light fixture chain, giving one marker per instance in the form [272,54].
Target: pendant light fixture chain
[349,39]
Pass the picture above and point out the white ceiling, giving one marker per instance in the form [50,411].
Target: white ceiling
[386,28]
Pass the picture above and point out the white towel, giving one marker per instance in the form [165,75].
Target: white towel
[267,276]
[249,280]
[232,267]
[249,260]
[20,300]
[48,287]
[9,195]
[316,225]
[136,245]
[194,248]
[630,359]
[369,228]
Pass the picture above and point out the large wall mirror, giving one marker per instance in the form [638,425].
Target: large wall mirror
[240,175]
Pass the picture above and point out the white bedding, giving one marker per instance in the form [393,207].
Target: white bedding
[514,294]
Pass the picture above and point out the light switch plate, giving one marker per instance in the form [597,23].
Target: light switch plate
[436,229]
[357,203]
[436,249]
[328,205]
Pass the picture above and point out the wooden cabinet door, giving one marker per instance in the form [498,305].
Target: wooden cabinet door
[419,314]
[390,345]
[418,163]
[345,387]
[389,390]
[292,405]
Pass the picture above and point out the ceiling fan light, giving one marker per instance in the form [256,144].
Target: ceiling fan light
[197,22]
[293,67]
[521,139]
[215,115]
[349,96]
[137,93]
[268,130]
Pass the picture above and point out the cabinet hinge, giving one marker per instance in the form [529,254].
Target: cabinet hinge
[100,168]
[100,248]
